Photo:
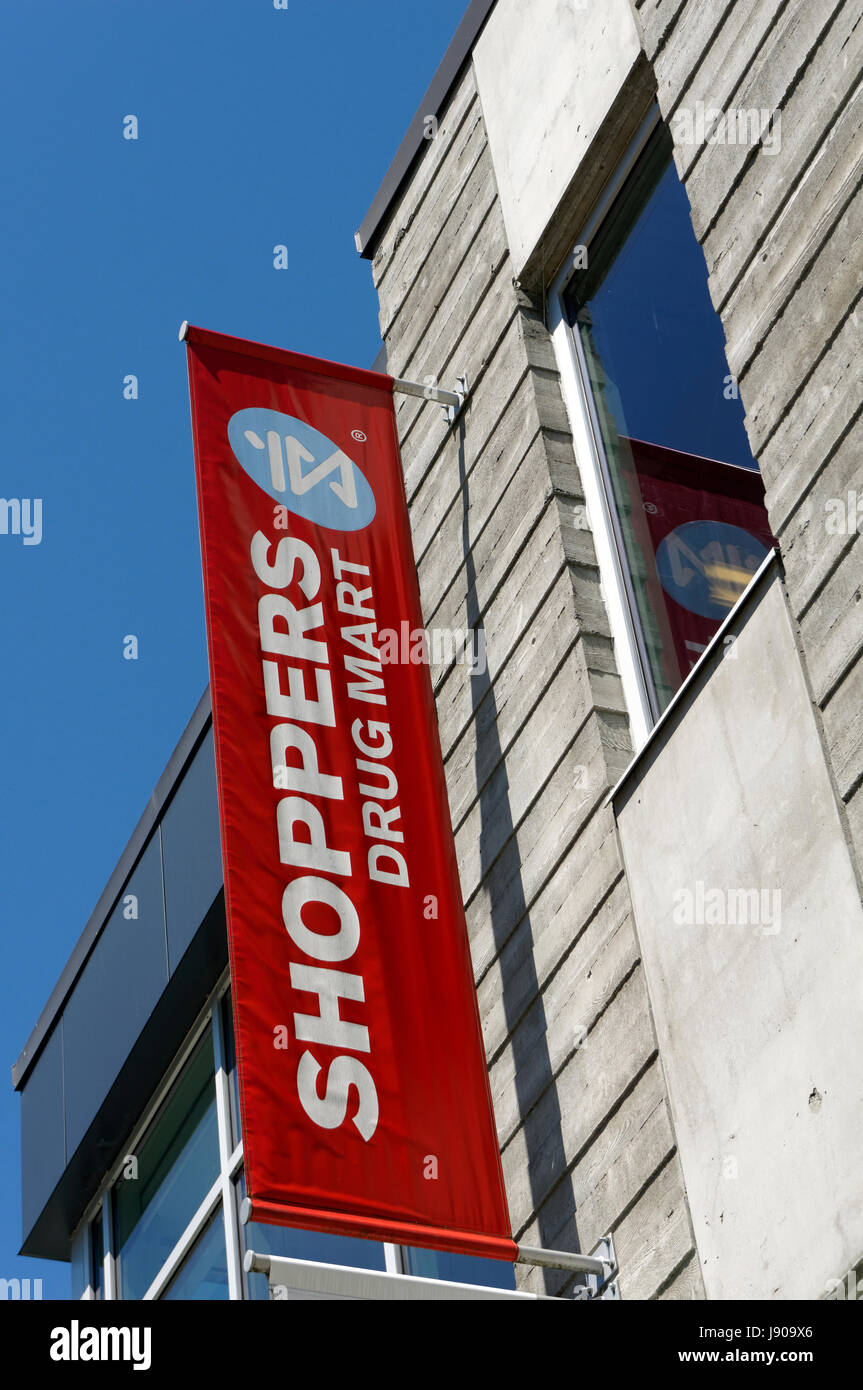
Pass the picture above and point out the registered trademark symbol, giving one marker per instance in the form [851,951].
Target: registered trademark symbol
[359,436]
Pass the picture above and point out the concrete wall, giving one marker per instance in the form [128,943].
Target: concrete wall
[779,223]
[531,134]
[548,74]
[533,744]
[760,1019]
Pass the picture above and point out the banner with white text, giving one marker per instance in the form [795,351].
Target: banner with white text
[363,1085]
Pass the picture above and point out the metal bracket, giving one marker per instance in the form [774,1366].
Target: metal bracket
[604,1287]
[453,411]
[452,401]
[599,1267]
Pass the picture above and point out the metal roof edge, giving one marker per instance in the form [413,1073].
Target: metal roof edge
[414,141]
[164,789]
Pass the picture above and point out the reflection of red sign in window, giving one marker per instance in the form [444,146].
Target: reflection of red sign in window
[706,528]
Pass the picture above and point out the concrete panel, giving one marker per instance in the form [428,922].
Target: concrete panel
[421,192]
[823,102]
[544,102]
[778,228]
[759,1013]
[832,628]
[534,742]
[813,431]
[795,345]
[818,535]
[843,725]
[466,197]
[768,83]
[607,1181]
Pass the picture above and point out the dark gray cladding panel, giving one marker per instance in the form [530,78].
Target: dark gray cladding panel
[43,1147]
[191,848]
[50,1216]
[108,1030]
[115,994]
[142,833]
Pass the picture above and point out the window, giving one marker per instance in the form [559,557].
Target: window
[173,1227]
[294,1244]
[164,1182]
[457,1269]
[97,1255]
[231,1067]
[203,1274]
[664,422]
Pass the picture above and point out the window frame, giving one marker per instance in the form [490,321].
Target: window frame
[642,703]
[615,579]
[229,1163]
[220,1194]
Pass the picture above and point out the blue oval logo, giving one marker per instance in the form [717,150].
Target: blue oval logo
[706,565]
[301,469]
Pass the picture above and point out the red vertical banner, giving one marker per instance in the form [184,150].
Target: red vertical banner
[363,1084]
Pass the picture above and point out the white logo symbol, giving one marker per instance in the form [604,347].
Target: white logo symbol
[297,455]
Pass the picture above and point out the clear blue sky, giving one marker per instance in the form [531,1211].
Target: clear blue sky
[256,127]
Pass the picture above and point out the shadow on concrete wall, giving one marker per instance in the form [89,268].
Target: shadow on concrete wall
[531,1058]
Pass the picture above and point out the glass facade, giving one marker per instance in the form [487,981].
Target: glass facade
[231,1067]
[304,1245]
[172,1207]
[457,1269]
[204,1273]
[97,1254]
[687,501]
[165,1181]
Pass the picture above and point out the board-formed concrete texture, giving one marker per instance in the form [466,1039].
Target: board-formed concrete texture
[760,1021]
[548,72]
[533,743]
[693,1087]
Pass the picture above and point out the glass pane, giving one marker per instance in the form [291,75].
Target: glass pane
[643,306]
[203,1275]
[177,1163]
[86,1248]
[303,1245]
[97,1254]
[231,1061]
[458,1269]
[78,1263]
[688,496]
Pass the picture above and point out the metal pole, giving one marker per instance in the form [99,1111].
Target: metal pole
[338,1281]
[428,393]
[451,400]
[563,1259]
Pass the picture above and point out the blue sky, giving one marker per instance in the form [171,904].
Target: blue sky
[257,127]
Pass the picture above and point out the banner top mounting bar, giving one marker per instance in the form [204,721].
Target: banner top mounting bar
[453,401]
